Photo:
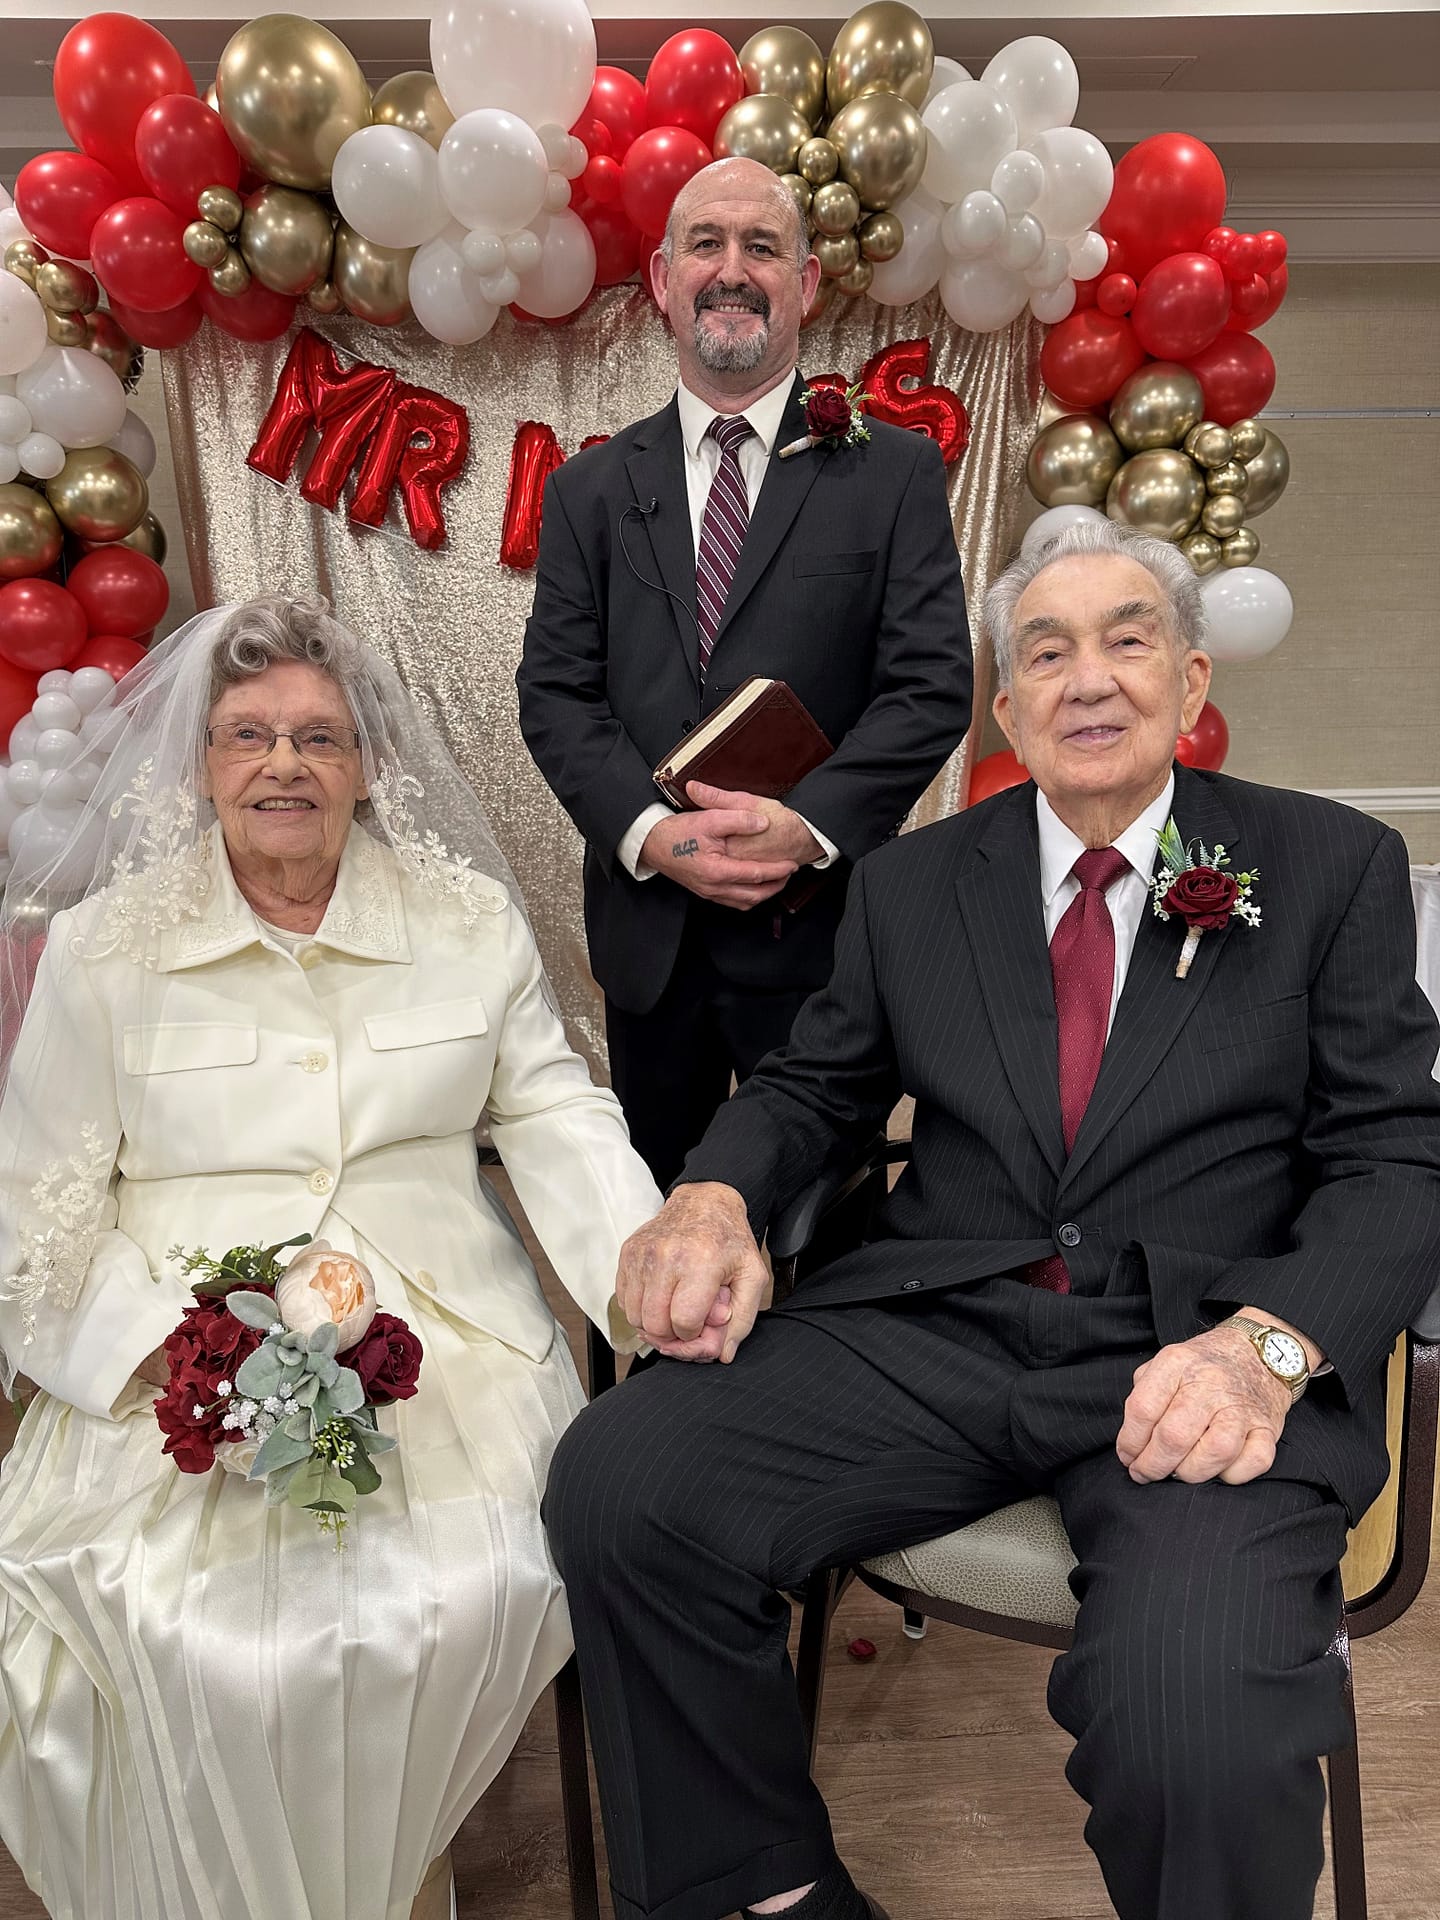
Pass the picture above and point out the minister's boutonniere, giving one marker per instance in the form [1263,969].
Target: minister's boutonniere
[832,419]
[1196,890]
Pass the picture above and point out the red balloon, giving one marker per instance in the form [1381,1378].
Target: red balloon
[1251,306]
[1181,306]
[1207,742]
[119,591]
[112,651]
[1218,244]
[617,105]
[1236,375]
[17,695]
[1087,356]
[654,170]
[1087,294]
[1271,251]
[138,251]
[618,244]
[60,196]
[108,70]
[1115,294]
[601,181]
[1169,192]
[993,774]
[1244,257]
[170,328]
[255,314]
[693,81]
[42,626]
[182,148]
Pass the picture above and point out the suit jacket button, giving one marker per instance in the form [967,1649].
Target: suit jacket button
[911,1286]
[1069,1234]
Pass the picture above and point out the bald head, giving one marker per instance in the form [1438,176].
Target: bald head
[728,181]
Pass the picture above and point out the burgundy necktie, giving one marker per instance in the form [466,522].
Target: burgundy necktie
[1082,964]
[722,530]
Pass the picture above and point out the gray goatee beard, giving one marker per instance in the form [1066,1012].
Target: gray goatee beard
[727,353]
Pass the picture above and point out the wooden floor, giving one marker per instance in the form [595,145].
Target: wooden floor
[944,1777]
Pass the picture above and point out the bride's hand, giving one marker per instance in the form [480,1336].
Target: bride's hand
[154,1369]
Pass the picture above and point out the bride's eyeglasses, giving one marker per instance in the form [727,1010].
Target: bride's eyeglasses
[253,740]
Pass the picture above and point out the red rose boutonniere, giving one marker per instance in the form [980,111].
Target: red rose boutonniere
[1197,891]
[832,419]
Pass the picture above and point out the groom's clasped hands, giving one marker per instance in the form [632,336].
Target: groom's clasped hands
[692,1279]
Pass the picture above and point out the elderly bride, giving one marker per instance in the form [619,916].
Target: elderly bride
[291,987]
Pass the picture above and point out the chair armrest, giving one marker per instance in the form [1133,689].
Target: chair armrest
[1426,1324]
[794,1227]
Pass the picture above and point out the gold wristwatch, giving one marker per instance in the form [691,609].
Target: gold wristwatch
[1280,1352]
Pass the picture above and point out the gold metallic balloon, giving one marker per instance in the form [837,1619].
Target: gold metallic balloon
[232,275]
[30,535]
[881,237]
[885,46]
[1247,437]
[148,538]
[373,282]
[66,288]
[1231,478]
[817,161]
[1224,514]
[105,336]
[765,128]
[65,329]
[287,239]
[837,255]
[1158,491]
[1072,462]
[205,244]
[1202,552]
[1156,407]
[881,142]
[24,258]
[858,279]
[835,208]
[1242,549]
[800,191]
[222,207]
[413,101]
[322,297]
[824,295]
[291,95]
[785,61]
[1209,445]
[98,494]
[1050,410]
[1269,472]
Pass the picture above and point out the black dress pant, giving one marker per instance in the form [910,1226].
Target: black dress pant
[1200,1689]
[671,1068]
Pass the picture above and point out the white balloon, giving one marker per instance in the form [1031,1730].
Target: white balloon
[565,275]
[54,709]
[1045,526]
[1021,244]
[1036,79]
[7,383]
[557,193]
[55,745]
[577,157]
[62,792]
[136,442]
[7,199]
[37,838]
[9,464]
[493,172]
[88,687]
[74,396]
[1017,181]
[41,456]
[556,142]
[522,251]
[57,680]
[535,58]
[946,73]
[14,419]
[100,729]
[981,295]
[22,783]
[23,736]
[22,318]
[971,130]
[1079,175]
[1051,268]
[12,228]
[484,252]
[85,773]
[916,268]
[1247,610]
[443,294]
[1087,255]
[386,183]
[499,288]
[9,814]
[1052,304]
[974,227]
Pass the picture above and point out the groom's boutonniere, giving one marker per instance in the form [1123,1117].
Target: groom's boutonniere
[832,419]
[1199,893]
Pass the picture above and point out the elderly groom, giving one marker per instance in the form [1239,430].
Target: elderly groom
[1153,1243]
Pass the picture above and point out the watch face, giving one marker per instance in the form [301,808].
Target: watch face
[1283,1354]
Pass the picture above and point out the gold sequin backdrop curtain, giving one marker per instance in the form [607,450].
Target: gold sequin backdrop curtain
[452,621]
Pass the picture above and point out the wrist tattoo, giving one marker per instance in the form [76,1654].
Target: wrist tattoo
[685,849]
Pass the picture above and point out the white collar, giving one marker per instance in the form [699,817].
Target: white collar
[764,414]
[1060,849]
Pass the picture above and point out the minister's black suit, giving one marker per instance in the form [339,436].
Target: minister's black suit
[849,589]
[1264,1132]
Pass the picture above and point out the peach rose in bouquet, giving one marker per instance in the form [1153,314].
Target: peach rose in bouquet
[321,1287]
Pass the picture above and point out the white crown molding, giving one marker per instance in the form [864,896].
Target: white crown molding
[1383,799]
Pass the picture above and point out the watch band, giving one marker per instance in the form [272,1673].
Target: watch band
[1255,1332]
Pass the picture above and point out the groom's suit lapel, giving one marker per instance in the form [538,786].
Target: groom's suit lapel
[656,468]
[782,494]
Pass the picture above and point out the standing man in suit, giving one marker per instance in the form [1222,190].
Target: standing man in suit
[678,559]
[1152,1247]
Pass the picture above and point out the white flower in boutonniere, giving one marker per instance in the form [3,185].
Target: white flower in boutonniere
[832,419]
[1193,887]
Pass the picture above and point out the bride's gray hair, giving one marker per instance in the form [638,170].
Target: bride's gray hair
[275,626]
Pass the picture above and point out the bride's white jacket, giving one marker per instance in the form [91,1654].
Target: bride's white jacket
[238,1094]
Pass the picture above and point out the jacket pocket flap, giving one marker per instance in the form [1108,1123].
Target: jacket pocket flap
[1252,1025]
[857,561]
[179,1045]
[422,1026]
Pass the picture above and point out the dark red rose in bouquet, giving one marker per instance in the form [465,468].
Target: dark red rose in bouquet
[208,1346]
[1202,897]
[387,1360]
[827,412]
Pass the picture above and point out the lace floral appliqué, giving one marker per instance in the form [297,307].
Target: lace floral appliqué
[159,880]
[57,1239]
[425,857]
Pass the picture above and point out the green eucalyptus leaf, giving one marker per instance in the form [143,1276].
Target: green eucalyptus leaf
[374,1442]
[361,1475]
[255,1309]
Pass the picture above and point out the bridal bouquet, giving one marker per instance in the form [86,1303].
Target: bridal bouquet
[276,1372]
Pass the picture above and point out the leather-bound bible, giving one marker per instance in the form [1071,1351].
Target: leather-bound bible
[761,740]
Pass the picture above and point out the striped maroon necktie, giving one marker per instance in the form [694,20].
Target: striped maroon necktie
[722,530]
[1082,965]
